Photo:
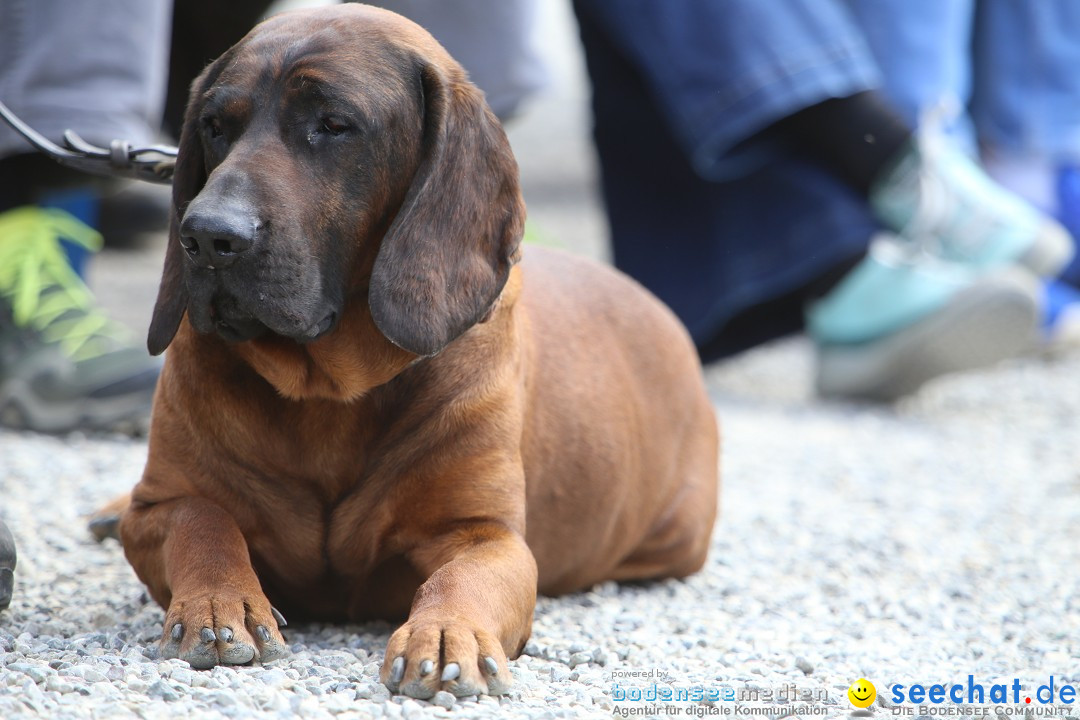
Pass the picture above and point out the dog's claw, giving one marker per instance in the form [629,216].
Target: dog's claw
[491,665]
[279,617]
[426,667]
[271,652]
[221,630]
[107,526]
[451,672]
[7,587]
[7,566]
[397,670]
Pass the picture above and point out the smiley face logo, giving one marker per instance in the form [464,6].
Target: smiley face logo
[862,693]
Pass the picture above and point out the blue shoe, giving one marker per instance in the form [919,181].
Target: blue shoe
[1061,314]
[898,320]
[937,196]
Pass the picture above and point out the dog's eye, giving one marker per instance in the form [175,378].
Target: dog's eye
[213,127]
[334,125]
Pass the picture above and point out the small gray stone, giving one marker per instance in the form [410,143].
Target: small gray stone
[275,677]
[443,699]
[161,689]
[53,683]
[804,665]
[37,673]
[183,676]
[335,660]
[411,709]
[88,674]
[224,699]
[373,691]
[579,658]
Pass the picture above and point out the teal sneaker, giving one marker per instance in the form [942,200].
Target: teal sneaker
[898,320]
[937,196]
[64,365]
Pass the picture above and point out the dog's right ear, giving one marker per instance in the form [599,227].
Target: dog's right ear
[189,177]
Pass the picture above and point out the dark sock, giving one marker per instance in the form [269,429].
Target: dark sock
[24,178]
[855,137]
[821,285]
[773,318]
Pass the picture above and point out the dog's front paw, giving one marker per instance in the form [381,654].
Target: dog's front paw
[428,654]
[223,628]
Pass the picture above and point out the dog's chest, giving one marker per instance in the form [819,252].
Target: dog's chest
[335,560]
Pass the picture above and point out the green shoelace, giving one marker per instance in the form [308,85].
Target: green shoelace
[44,293]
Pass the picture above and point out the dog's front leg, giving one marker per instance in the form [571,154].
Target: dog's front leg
[193,558]
[474,610]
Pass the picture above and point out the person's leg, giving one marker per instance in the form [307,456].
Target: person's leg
[96,68]
[934,191]
[1027,89]
[722,73]
[698,244]
[492,39]
[1026,102]
[201,31]
[99,71]
[855,137]
[720,253]
[923,50]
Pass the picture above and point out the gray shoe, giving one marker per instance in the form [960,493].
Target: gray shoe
[993,318]
[936,195]
[63,364]
[7,566]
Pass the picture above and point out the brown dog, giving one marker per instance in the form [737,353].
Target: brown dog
[368,410]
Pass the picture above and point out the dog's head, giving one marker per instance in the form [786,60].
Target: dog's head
[332,153]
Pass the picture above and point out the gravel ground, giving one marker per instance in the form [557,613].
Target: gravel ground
[917,543]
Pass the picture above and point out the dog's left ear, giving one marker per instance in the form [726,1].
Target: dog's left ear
[188,179]
[448,253]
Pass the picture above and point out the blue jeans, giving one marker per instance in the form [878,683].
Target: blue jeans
[707,210]
[1012,64]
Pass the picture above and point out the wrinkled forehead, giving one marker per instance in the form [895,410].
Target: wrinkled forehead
[341,57]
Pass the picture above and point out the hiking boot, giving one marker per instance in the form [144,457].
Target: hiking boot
[64,365]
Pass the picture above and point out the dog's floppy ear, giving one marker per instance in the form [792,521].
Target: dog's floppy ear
[189,176]
[447,255]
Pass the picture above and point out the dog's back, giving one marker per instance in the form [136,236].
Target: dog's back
[621,441]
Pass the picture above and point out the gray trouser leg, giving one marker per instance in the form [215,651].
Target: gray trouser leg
[98,68]
[493,39]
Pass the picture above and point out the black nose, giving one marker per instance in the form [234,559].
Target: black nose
[214,238]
